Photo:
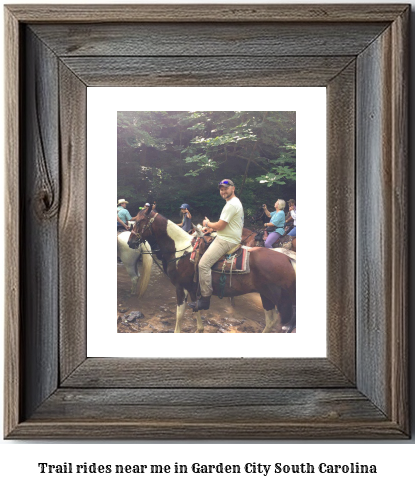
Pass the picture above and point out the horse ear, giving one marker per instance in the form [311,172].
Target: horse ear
[198,230]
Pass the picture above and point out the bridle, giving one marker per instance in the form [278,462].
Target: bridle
[140,239]
[147,226]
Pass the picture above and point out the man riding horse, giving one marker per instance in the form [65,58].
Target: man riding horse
[123,215]
[229,233]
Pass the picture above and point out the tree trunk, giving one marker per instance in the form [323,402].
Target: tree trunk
[250,159]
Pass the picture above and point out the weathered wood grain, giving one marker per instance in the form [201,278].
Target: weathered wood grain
[40,205]
[373,427]
[207,39]
[399,204]
[168,399]
[164,430]
[13,352]
[72,222]
[206,373]
[202,405]
[207,13]
[207,71]
[381,258]
[373,189]
[341,310]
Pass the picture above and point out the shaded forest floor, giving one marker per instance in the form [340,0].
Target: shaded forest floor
[158,306]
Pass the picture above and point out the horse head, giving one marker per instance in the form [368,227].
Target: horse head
[259,237]
[142,229]
[197,230]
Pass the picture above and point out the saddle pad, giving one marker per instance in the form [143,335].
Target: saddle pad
[291,255]
[194,250]
[237,263]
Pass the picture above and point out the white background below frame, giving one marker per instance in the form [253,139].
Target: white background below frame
[102,107]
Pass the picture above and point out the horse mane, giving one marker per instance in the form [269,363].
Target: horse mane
[182,240]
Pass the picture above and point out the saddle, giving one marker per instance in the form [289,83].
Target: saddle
[236,261]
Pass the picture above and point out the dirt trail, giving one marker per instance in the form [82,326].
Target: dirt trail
[158,305]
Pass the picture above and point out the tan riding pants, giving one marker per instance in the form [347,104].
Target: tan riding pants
[215,251]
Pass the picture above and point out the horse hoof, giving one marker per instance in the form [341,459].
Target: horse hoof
[287,328]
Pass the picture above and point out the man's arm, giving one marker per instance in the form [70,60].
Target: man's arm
[220,225]
[121,222]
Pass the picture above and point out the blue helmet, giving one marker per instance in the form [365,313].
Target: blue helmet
[185,206]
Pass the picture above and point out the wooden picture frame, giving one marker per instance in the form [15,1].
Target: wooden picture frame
[360,53]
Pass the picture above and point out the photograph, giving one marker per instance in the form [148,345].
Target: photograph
[206,221]
[72,370]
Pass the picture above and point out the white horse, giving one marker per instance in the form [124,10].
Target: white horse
[130,258]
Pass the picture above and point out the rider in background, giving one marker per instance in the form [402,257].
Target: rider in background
[186,223]
[121,225]
[293,217]
[123,215]
[276,223]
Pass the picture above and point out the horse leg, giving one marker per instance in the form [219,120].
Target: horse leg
[288,310]
[200,326]
[292,323]
[181,295]
[134,275]
[272,317]
[134,283]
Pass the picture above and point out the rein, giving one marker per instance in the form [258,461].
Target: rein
[260,217]
[148,226]
[174,259]
[180,257]
[243,240]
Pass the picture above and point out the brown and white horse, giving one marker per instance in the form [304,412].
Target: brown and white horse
[130,258]
[271,273]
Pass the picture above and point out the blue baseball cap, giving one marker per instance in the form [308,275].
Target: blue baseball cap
[226,183]
[185,206]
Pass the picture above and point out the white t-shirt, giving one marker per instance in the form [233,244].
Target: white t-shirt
[294,216]
[233,214]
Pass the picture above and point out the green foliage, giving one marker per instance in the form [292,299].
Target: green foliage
[176,157]
[281,170]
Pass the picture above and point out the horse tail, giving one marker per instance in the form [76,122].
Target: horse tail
[146,270]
